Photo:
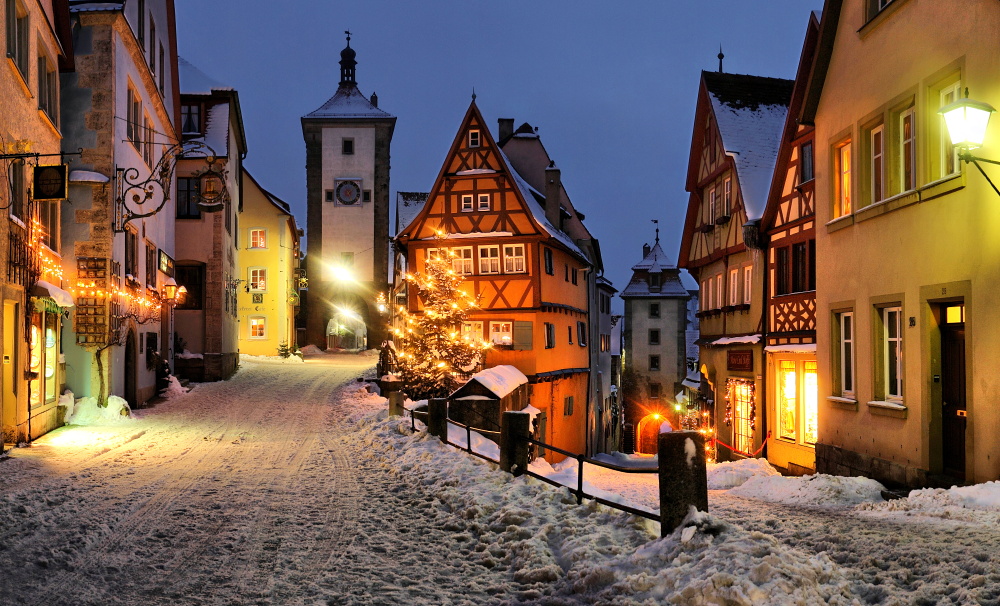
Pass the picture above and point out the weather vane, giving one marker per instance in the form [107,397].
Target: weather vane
[656,222]
[348,32]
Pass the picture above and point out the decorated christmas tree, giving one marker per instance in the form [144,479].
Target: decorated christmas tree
[434,357]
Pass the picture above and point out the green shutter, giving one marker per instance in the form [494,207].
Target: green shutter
[522,336]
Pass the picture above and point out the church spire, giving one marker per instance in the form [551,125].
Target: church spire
[348,63]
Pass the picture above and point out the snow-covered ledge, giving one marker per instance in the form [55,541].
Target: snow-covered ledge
[887,408]
[842,402]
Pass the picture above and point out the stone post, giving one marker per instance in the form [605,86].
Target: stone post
[683,478]
[515,429]
[437,418]
[396,404]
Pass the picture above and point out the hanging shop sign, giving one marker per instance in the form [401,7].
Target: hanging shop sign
[166,264]
[740,360]
[50,182]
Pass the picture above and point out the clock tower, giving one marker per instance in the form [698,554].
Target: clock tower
[347,180]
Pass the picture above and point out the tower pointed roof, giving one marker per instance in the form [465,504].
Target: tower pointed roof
[348,101]
[655,261]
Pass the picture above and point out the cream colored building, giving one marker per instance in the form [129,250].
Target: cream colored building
[906,241]
[268,296]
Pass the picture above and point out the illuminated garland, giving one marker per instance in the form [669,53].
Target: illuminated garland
[730,386]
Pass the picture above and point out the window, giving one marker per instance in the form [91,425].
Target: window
[654,310]
[152,47]
[187,196]
[706,295]
[150,264]
[907,150]
[654,336]
[581,333]
[800,267]
[655,391]
[727,196]
[47,216]
[718,291]
[747,283]
[513,258]
[473,138]
[712,205]
[806,171]
[501,333]
[569,335]
[550,335]
[892,320]
[258,238]
[489,259]
[258,326]
[797,401]
[131,254]
[949,155]
[466,203]
[654,281]
[845,352]
[191,119]
[17,36]
[48,89]
[347,147]
[258,278]
[18,193]
[484,202]
[572,275]
[547,255]
[566,273]
[876,141]
[605,342]
[781,271]
[163,67]
[140,21]
[734,286]
[347,260]
[654,362]
[461,260]
[191,277]
[134,119]
[876,6]
[366,195]
[147,140]
[329,195]
[568,406]
[742,399]
[842,198]
[472,331]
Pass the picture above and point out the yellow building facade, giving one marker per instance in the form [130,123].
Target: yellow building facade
[268,294]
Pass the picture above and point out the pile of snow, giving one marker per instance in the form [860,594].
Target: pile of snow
[86,412]
[819,489]
[666,427]
[723,476]
[636,461]
[173,389]
[311,350]
[289,360]
[187,355]
[978,503]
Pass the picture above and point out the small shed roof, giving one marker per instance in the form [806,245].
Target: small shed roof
[500,380]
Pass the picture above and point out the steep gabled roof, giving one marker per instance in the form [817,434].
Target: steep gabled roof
[408,206]
[219,117]
[196,82]
[655,260]
[750,112]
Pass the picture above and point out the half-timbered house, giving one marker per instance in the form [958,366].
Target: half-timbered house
[530,275]
[789,224]
[738,122]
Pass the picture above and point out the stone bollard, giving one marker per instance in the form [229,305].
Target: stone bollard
[437,418]
[396,404]
[514,432]
[683,478]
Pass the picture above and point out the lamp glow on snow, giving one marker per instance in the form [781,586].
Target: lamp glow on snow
[967,120]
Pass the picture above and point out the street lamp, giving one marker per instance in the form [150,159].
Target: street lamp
[967,120]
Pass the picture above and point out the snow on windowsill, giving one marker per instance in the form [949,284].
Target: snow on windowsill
[841,400]
[887,404]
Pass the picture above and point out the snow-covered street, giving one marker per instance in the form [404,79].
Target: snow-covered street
[288,485]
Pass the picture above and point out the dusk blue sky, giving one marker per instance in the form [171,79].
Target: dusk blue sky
[610,85]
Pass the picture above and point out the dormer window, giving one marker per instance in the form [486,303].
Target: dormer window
[474,139]
[654,281]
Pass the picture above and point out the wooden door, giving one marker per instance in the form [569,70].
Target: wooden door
[953,412]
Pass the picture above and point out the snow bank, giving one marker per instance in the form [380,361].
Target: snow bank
[87,412]
[173,389]
[819,489]
[311,350]
[637,461]
[979,503]
[723,476]
[293,359]
[187,355]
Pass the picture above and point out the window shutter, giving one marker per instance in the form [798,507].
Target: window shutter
[522,336]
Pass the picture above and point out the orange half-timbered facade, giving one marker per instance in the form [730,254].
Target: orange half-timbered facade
[530,277]
[789,223]
[738,123]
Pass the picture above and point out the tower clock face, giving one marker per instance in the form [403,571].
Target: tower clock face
[348,192]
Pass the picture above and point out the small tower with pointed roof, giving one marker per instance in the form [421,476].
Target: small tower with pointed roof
[347,188]
[655,344]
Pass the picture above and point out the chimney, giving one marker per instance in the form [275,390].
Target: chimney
[506,129]
[374,99]
[645,250]
[553,189]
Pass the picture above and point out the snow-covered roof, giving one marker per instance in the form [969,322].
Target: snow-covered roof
[194,81]
[655,258]
[792,348]
[655,261]
[217,129]
[348,102]
[87,176]
[501,380]
[408,206]
[60,296]
[82,7]
[748,339]
[691,343]
[750,112]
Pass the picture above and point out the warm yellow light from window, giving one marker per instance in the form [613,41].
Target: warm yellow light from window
[955,314]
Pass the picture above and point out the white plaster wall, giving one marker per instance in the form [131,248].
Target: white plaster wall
[349,228]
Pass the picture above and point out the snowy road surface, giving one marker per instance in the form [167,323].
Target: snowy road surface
[241,492]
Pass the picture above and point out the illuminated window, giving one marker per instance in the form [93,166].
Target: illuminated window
[747,283]
[467,203]
[787,392]
[484,202]
[501,333]
[461,260]
[734,286]
[907,150]
[474,139]
[258,326]
[842,160]
[472,331]
[727,196]
[949,155]
[892,322]
[713,205]
[258,278]
[718,291]
[489,259]
[513,259]
[744,412]
[845,351]
[258,238]
[877,142]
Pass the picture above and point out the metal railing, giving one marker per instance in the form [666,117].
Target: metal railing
[468,440]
